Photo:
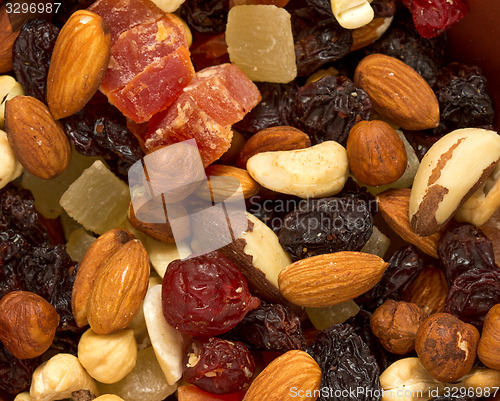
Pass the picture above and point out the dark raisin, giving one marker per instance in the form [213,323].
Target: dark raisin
[206,16]
[327,225]
[404,266]
[328,108]
[347,365]
[421,141]
[463,100]
[211,52]
[68,7]
[218,366]
[275,108]
[205,295]
[473,294]
[463,248]
[271,327]
[272,211]
[352,190]
[402,41]
[383,8]
[15,374]
[318,38]
[31,55]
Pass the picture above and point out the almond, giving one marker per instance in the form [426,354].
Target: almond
[103,248]
[78,64]
[36,138]
[219,192]
[376,153]
[272,139]
[398,92]
[119,289]
[393,205]
[294,375]
[330,279]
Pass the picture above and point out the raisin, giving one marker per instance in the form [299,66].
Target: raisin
[206,16]
[328,108]
[404,266]
[347,365]
[383,8]
[205,295]
[463,248]
[272,211]
[352,190]
[421,141]
[463,100]
[318,38]
[68,7]
[402,41]
[31,55]
[218,366]
[473,294]
[327,225]
[454,397]
[433,17]
[211,52]
[275,108]
[271,327]
[15,374]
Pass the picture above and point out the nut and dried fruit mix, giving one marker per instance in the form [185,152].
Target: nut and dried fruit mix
[367,266]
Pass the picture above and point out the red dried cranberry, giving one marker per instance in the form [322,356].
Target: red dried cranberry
[206,295]
[218,366]
[433,17]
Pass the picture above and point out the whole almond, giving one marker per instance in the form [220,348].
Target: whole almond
[294,375]
[78,64]
[119,289]
[398,92]
[330,279]
[393,205]
[101,249]
[272,139]
[429,290]
[248,185]
[36,138]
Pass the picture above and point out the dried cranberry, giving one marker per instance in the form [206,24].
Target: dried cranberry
[205,295]
[271,327]
[433,17]
[218,366]
[328,108]
[404,266]
[473,294]
[464,248]
[206,16]
[327,225]
[31,55]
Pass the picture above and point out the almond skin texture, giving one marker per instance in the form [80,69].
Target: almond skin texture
[248,185]
[446,346]
[28,324]
[272,139]
[292,370]
[36,138]
[398,92]
[394,205]
[78,64]
[102,249]
[488,350]
[330,279]
[376,153]
[119,289]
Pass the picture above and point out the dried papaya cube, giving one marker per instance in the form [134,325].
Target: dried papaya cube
[140,46]
[224,92]
[186,120]
[155,88]
[121,15]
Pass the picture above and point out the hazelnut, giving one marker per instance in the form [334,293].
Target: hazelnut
[108,358]
[446,346]
[376,153]
[28,324]
[488,349]
[396,325]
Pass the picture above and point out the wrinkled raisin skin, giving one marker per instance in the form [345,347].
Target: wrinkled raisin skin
[218,366]
[271,327]
[346,363]
[328,108]
[31,55]
[206,16]
[327,225]
[205,295]
[15,374]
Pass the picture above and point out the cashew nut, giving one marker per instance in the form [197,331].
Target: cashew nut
[108,358]
[352,14]
[314,172]
[10,168]
[59,377]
